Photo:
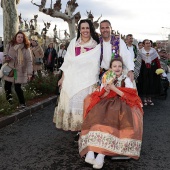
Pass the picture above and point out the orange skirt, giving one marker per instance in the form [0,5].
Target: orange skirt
[112,128]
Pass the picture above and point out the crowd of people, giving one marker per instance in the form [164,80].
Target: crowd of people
[20,61]
[107,116]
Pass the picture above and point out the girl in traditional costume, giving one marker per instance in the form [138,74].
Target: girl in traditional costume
[149,80]
[80,74]
[113,119]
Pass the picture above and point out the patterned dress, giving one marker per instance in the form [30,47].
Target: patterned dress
[114,124]
[68,115]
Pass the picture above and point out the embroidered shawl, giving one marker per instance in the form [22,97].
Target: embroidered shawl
[80,72]
[114,41]
[148,57]
[79,48]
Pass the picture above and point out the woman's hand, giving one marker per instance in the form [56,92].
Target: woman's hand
[7,58]
[29,77]
[60,82]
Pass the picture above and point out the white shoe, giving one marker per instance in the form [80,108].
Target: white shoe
[99,161]
[90,161]
[98,166]
[90,158]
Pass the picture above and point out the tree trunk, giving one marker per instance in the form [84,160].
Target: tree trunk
[10,19]
[72,28]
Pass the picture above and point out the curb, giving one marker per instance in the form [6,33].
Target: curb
[7,120]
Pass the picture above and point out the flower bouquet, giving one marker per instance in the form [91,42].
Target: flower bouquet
[108,77]
[159,71]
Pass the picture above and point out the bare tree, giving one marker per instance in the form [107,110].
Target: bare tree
[21,24]
[96,23]
[91,17]
[20,18]
[67,16]
[10,19]
[26,24]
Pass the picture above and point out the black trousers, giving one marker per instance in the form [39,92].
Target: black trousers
[18,91]
[50,69]
[60,61]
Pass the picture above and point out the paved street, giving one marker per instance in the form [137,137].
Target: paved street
[34,143]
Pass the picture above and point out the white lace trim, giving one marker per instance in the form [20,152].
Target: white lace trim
[111,143]
[69,113]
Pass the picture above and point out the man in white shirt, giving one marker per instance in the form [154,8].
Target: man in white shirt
[108,50]
[131,47]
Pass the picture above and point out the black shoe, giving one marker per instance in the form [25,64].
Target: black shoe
[76,138]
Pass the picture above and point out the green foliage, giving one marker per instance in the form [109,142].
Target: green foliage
[43,85]
[40,86]
[5,107]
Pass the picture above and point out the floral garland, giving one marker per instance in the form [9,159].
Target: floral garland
[114,41]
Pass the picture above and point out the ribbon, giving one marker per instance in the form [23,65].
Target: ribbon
[15,74]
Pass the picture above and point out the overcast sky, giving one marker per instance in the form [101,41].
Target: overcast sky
[144,19]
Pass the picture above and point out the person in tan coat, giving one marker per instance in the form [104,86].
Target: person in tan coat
[18,56]
[37,57]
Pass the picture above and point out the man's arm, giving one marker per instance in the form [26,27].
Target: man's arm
[127,59]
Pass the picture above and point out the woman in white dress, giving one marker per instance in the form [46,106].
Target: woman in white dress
[80,74]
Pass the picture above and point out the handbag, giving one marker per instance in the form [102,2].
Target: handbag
[8,71]
[38,61]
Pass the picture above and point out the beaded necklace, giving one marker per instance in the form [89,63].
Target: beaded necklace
[114,41]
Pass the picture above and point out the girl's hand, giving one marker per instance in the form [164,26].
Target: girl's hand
[107,87]
[115,89]
[112,86]
[105,94]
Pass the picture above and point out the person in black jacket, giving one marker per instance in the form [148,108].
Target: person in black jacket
[50,56]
